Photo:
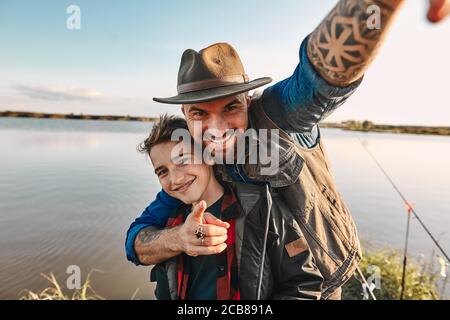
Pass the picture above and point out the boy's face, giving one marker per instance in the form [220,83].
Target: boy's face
[180,177]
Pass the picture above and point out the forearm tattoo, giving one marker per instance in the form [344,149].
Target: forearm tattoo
[344,44]
[148,235]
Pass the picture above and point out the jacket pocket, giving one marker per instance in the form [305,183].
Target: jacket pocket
[338,216]
[326,261]
[326,240]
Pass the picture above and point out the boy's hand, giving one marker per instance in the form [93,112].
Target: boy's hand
[213,229]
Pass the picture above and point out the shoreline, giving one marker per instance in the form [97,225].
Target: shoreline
[71,116]
[361,126]
[368,126]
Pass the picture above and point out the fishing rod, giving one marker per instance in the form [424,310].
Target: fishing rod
[410,208]
[405,254]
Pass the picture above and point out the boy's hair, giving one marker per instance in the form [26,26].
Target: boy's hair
[162,132]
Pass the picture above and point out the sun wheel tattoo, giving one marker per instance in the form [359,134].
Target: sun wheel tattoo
[343,45]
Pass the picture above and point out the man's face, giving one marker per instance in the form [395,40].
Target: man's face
[220,120]
[179,176]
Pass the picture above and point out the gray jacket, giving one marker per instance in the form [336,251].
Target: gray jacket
[283,268]
[304,180]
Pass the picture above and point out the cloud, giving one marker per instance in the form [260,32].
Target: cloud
[57,93]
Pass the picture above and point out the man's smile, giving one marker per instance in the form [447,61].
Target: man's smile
[221,140]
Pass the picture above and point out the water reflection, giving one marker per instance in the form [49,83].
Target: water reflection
[69,190]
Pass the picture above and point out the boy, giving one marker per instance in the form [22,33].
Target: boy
[256,249]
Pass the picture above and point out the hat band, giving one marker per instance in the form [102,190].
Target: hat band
[212,83]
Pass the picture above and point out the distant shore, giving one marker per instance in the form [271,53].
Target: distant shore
[364,126]
[39,115]
[368,126]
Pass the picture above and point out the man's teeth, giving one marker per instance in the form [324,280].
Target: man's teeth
[221,140]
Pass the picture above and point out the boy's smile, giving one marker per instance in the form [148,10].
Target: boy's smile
[181,177]
[184,186]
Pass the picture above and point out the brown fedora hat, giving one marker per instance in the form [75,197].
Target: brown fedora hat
[212,73]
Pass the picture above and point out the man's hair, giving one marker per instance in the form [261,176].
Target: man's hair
[162,132]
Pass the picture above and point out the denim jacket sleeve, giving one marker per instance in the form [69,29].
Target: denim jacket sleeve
[155,215]
[298,103]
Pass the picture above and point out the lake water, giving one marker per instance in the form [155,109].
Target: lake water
[69,190]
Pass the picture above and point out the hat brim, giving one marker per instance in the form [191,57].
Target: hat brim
[214,93]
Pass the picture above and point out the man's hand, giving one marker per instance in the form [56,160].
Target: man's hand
[344,44]
[342,47]
[153,245]
[215,231]
[439,9]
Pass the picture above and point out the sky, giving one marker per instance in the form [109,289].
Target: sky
[127,52]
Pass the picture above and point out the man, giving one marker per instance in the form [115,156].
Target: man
[212,89]
[233,273]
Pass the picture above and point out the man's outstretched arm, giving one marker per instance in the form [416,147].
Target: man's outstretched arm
[342,47]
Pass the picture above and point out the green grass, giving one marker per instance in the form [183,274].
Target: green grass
[55,292]
[420,281]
